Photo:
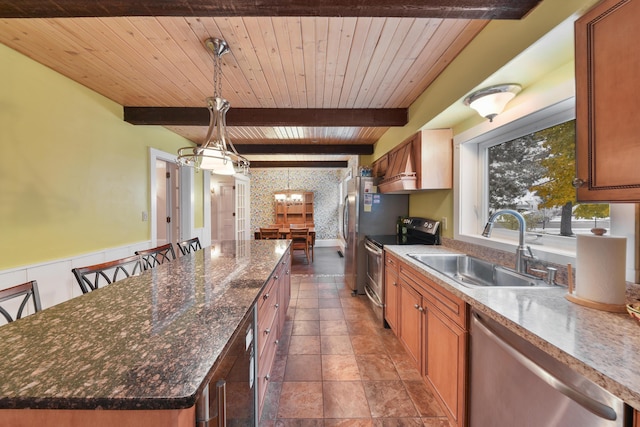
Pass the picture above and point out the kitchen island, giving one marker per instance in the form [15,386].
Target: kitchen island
[601,346]
[138,351]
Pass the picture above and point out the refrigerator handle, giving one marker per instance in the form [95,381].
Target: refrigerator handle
[345,218]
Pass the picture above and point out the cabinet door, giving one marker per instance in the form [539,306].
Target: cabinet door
[410,322]
[391,298]
[607,128]
[444,364]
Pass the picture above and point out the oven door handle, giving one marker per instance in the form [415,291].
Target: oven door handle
[372,249]
[372,296]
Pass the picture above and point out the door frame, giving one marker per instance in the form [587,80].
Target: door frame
[185,191]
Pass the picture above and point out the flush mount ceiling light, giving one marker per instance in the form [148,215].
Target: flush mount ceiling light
[217,154]
[490,101]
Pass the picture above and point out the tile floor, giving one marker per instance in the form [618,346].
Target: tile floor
[335,366]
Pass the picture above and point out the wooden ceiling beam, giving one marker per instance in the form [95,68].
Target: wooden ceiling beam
[305,117]
[334,164]
[461,9]
[350,149]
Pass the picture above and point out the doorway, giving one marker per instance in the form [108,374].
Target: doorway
[223,222]
[171,212]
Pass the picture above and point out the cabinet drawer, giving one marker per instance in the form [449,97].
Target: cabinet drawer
[267,327]
[391,262]
[447,303]
[268,296]
[265,364]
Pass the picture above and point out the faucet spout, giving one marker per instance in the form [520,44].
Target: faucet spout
[522,252]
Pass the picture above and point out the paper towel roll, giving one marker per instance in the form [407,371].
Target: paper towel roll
[600,268]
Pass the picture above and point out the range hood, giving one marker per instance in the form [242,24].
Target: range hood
[423,161]
[401,172]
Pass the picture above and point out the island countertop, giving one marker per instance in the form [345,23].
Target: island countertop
[601,346]
[146,342]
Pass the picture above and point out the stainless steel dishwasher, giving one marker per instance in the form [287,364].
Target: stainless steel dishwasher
[513,383]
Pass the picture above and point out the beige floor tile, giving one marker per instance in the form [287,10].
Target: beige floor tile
[304,344]
[329,303]
[368,344]
[345,399]
[308,293]
[405,366]
[389,399]
[300,400]
[336,344]
[376,367]
[358,422]
[306,327]
[423,399]
[330,314]
[340,367]
[333,327]
[303,367]
[307,314]
[307,303]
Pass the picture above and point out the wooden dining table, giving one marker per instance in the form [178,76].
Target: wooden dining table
[284,232]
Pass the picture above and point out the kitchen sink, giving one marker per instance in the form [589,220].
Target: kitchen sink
[473,272]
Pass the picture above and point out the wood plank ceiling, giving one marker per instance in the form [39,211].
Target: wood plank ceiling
[301,78]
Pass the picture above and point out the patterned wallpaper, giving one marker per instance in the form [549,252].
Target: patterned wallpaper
[324,183]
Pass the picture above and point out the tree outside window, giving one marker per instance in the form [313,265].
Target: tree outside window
[533,174]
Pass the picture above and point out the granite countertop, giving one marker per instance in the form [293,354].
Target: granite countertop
[601,346]
[146,342]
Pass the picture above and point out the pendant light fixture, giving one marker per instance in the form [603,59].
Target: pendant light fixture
[217,153]
[490,101]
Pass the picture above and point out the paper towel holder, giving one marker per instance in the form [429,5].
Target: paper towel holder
[613,308]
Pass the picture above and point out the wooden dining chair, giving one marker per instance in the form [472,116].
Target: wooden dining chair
[311,239]
[26,291]
[188,246]
[93,276]
[269,233]
[300,241]
[156,256]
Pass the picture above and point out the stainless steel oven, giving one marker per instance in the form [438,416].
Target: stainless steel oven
[419,231]
[374,285]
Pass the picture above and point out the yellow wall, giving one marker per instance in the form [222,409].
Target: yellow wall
[497,44]
[74,177]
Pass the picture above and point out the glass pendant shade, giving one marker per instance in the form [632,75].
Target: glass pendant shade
[491,101]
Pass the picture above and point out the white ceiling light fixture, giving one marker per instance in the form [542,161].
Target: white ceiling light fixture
[217,154]
[490,101]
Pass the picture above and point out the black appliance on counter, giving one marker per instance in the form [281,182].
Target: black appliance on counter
[415,231]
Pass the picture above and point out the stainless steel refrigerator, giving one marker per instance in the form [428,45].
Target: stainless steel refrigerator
[366,213]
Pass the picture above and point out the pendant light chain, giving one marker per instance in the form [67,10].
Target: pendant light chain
[217,75]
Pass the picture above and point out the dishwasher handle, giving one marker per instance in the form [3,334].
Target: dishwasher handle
[592,405]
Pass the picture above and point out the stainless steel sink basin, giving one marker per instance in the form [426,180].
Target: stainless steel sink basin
[474,272]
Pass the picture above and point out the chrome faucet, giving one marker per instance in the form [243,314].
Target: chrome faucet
[523,253]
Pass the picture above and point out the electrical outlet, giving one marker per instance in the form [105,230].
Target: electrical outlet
[443,221]
[145,216]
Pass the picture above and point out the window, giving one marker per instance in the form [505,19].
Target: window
[487,167]
[532,174]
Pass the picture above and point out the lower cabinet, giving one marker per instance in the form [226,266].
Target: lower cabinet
[433,327]
[272,307]
[391,291]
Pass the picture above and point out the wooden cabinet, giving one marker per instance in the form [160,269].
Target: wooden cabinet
[294,207]
[411,321]
[422,162]
[272,303]
[391,291]
[445,362]
[607,102]
[433,327]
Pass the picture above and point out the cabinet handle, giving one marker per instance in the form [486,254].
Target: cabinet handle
[275,277]
[577,182]
[265,296]
[416,306]
[420,309]
[267,377]
[277,305]
[276,342]
[395,284]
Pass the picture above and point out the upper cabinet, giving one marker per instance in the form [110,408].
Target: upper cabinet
[608,103]
[424,161]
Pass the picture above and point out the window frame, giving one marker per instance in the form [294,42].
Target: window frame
[471,185]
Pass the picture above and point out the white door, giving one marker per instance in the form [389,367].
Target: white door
[167,200]
[243,217]
[227,222]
